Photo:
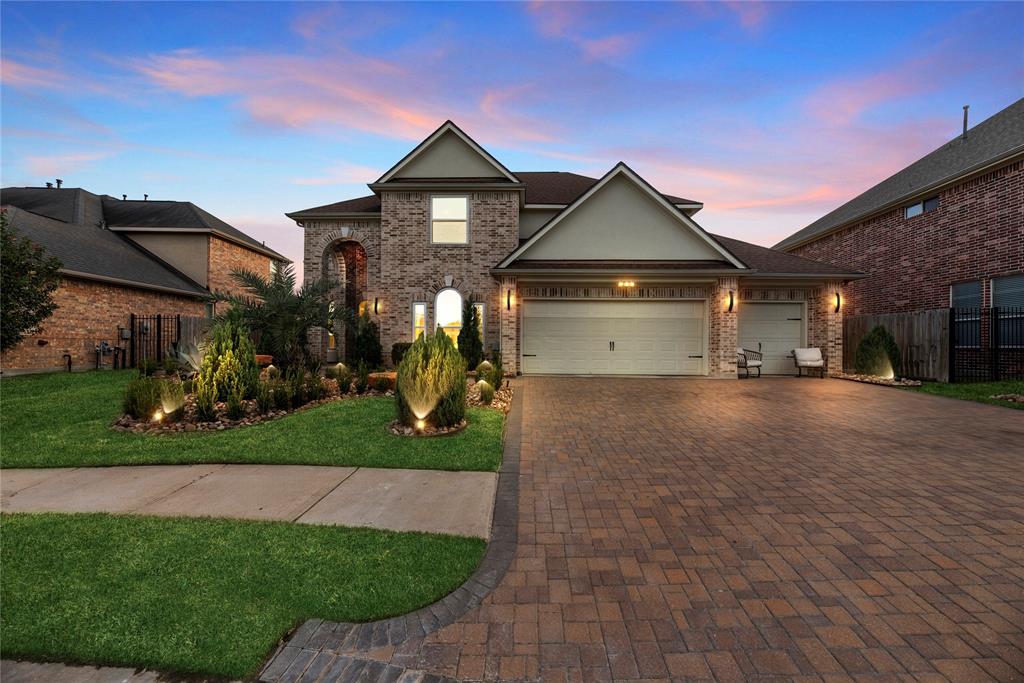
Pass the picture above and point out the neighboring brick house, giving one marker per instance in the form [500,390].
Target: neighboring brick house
[947,230]
[572,274]
[121,257]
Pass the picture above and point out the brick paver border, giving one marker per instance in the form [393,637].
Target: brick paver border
[315,645]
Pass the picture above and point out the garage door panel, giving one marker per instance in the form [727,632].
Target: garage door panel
[650,337]
[778,328]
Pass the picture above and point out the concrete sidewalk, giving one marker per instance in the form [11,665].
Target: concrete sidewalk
[457,503]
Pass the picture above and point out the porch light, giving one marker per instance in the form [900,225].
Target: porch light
[508,299]
[627,283]
[732,300]
[839,301]
[376,305]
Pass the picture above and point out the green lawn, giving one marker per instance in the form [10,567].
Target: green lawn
[979,392]
[63,419]
[204,596]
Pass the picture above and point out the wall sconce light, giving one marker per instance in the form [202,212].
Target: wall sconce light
[508,299]
[732,300]
[627,283]
[376,305]
[839,301]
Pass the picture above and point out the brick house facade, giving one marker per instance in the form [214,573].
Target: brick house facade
[401,271]
[121,258]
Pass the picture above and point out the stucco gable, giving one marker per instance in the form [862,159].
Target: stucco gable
[622,218]
[448,153]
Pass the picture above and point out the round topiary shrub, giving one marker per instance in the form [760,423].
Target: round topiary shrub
[431,383]
[877,354]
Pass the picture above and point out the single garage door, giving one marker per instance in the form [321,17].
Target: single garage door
[779,328]
[613,337]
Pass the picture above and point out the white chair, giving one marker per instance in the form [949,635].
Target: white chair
[810,360]
[747,359]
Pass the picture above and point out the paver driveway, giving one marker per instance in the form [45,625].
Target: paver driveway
[676,529]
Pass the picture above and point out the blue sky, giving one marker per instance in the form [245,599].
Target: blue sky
[770,113]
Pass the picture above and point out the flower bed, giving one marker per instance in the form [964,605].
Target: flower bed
[502,397]
[1011,398]
[882,381]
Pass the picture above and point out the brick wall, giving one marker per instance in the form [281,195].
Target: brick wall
[723,329]
[88,313]
[976,233]
[226,257]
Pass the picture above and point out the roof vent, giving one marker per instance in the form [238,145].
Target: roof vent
[124,198]
[59,182]
[145,197]
[964,135]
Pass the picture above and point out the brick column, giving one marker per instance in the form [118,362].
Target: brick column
[722,329]
[832,343]
[509,324]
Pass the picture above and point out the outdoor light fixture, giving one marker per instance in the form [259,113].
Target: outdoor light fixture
[158,415]
[839,301]
[376,305]
[508,300]
[420,424]
[627,283]
[732,300]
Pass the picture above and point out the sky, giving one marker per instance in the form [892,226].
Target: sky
[770,113]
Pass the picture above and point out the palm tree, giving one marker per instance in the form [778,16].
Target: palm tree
[279,315]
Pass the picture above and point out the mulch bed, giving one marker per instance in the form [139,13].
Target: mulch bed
[881,381]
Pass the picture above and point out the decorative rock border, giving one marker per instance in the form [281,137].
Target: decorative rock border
[319,643]
[881,381]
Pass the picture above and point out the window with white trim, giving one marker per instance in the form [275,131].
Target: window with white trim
[449,220]
[1008,297]
[965,297]
[448,313]
[920,207]
[419,319]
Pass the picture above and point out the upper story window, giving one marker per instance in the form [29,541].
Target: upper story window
[449,220]
[925,206]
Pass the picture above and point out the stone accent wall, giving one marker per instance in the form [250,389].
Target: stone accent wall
[226,257]
[88,313]
[416,270]
[722,329]
[976,233]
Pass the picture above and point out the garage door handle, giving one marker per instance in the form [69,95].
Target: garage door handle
[798,319]
[700,356]
[529,355]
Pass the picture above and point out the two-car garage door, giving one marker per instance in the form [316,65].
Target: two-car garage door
[614,337]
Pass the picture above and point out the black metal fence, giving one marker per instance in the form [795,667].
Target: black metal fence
[157,336]
[986,344]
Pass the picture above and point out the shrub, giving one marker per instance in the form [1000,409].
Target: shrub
[170,365]
[29,276]
[335,371]
[491,372]
[486,392]
[398,352]
[313,388]
[344,381]
[235,408]
[471,346]
[367,348]
[264,398]
[483,371]
[172,399]
[877,354]
[431,382]
[142,397]
[228,336]
[295,379]
[381,384]
[147,366]
[206,397]
[280,394]
[362,378]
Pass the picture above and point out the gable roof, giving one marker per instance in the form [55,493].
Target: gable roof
[90,252]
[992,141]
[549,188]
[448,127]
[622,170]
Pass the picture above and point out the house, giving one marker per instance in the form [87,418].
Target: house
[948,230]
[571,274]
[122,257]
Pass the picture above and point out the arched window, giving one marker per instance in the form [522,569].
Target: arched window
[448,313]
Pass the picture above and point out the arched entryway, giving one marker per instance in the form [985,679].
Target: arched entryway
[345,263]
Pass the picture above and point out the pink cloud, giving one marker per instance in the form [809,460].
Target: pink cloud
[27,76]
[61,164]
[751,13]
[341,174]
[572,21]
[609,47]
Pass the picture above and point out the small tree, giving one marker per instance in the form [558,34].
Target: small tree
[431,382]
[471,346]
[877,354]
[367,348]
[28,278]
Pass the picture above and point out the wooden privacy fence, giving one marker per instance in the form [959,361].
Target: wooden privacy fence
[923,338]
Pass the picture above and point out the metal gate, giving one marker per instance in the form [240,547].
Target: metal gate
[986,344]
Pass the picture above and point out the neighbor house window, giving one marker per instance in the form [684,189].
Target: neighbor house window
[448,313]
[419,319]
[480,316]
[965,297]
[925,206]
[449,220]
[1008,297]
